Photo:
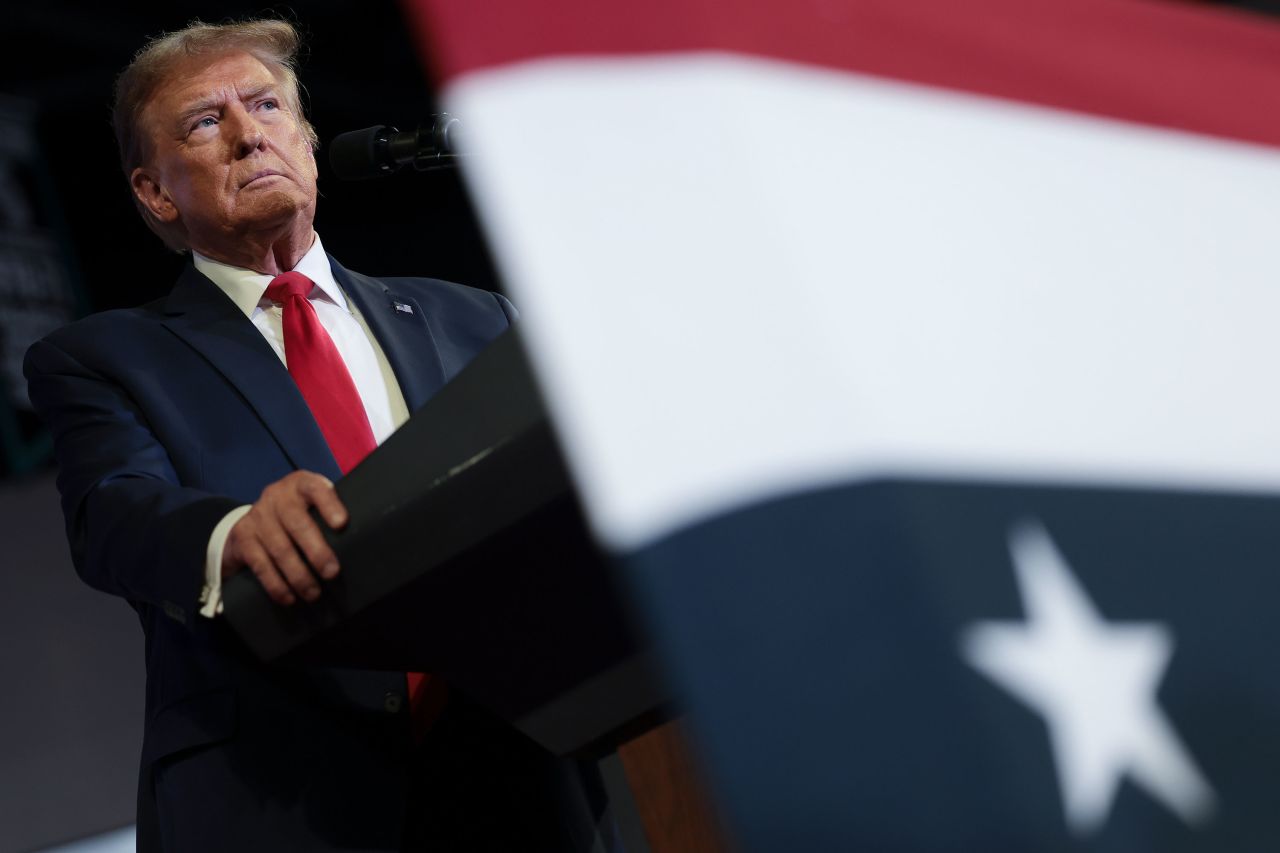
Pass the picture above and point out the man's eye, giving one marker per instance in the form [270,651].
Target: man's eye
[207,121]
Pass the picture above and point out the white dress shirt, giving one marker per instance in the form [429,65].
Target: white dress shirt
[365,360]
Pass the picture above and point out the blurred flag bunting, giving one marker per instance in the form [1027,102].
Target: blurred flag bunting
[915,360]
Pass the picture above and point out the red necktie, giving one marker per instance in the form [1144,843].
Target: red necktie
[322,376]
[320,373]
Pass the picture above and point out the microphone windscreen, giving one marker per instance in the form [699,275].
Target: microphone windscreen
[359,154]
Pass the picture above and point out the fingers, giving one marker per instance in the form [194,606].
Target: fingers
[280,542]
[263,568]
[243,550]
[285,558]
[320,493]
[305,537]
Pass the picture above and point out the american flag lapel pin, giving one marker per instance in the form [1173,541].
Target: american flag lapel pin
[402,307]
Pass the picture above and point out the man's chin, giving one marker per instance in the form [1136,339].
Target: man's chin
[271,211]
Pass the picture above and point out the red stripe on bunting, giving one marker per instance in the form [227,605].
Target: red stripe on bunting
[1171,64]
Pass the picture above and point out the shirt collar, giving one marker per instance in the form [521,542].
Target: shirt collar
[247,288]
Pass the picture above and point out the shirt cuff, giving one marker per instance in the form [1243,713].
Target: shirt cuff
[211,595]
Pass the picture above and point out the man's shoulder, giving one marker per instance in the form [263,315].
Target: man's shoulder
[436,290]
[104,327]
[436,297]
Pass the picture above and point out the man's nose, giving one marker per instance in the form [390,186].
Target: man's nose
[246,133]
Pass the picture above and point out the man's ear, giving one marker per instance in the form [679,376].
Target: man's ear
[153,196]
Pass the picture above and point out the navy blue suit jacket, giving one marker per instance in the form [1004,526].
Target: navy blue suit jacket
[165,417]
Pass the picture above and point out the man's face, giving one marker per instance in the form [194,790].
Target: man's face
[228,158]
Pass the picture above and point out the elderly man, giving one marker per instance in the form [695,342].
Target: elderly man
[193,435]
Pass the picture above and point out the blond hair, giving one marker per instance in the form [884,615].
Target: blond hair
[274,43]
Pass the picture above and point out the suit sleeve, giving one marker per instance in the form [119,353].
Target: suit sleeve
[134,530]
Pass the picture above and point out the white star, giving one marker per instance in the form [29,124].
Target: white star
[1095,684]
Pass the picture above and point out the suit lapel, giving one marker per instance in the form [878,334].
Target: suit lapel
[400,326]
[208,321]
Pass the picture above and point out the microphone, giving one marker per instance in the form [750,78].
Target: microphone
[382,149]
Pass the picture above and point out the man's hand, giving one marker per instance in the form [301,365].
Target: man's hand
[278,532]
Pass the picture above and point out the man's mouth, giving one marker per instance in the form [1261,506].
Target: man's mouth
[259,175]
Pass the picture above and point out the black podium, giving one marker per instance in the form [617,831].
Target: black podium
[467,555]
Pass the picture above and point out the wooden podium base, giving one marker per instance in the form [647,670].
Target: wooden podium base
[670,795]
